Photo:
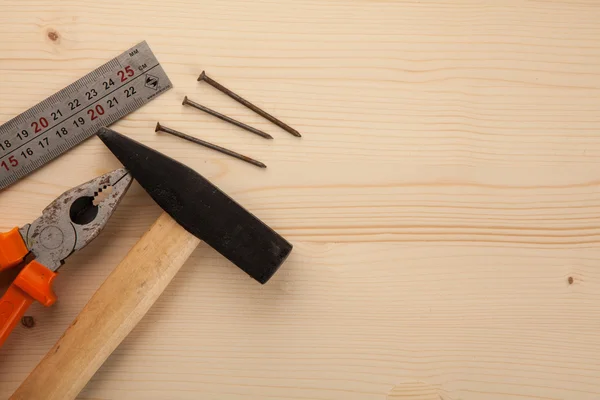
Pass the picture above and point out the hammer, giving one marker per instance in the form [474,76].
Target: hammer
[195,210]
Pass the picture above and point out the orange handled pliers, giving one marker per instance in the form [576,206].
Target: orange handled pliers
[68,224]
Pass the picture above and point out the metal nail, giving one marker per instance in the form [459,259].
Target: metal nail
[188,102]
[239,99]
[161,128]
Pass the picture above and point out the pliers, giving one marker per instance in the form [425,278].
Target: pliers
[66,225]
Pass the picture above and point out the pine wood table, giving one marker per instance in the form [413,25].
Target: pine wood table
[444,201]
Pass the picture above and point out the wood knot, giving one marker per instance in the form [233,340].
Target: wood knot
[28,321]
[53,35]
[570,280]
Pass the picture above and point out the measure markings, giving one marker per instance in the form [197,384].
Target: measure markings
[75,113]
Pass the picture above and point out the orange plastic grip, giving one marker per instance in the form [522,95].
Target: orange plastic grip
[13,305]
[34,282]
[12,249]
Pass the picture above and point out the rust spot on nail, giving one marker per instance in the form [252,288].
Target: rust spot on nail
[53,35]
[28,321]
[570,280]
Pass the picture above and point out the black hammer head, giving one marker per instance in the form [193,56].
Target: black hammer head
[201,208]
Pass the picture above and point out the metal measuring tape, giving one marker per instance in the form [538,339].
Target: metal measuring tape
[78,111]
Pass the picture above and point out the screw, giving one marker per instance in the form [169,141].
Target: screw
[239,99]
[188,102]
[161,128]
[28,321]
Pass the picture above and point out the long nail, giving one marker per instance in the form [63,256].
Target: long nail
[188,102]
[161,128]
[241,100]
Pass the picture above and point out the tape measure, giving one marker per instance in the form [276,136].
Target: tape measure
[77,112]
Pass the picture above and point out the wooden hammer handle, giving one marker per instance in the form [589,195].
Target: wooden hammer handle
[113,311]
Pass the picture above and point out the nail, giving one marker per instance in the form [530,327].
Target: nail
[241,100]
[188,102]
[161,128]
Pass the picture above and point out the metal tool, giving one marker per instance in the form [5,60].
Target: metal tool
[75,113]
[241,100]
[68,224]
[194,209]
[201,208]
[188,102]
[162,128]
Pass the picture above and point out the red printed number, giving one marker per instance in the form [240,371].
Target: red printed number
[12,160]
[127,72]
[43,123]
[93,115]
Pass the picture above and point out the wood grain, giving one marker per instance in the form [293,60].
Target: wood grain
[444,191]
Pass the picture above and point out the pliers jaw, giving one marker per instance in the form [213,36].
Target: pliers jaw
[75,218]
[69,223]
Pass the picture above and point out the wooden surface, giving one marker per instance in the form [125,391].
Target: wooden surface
[111,314]
[444,201]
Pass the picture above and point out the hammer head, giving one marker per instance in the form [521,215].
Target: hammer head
[201,208]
